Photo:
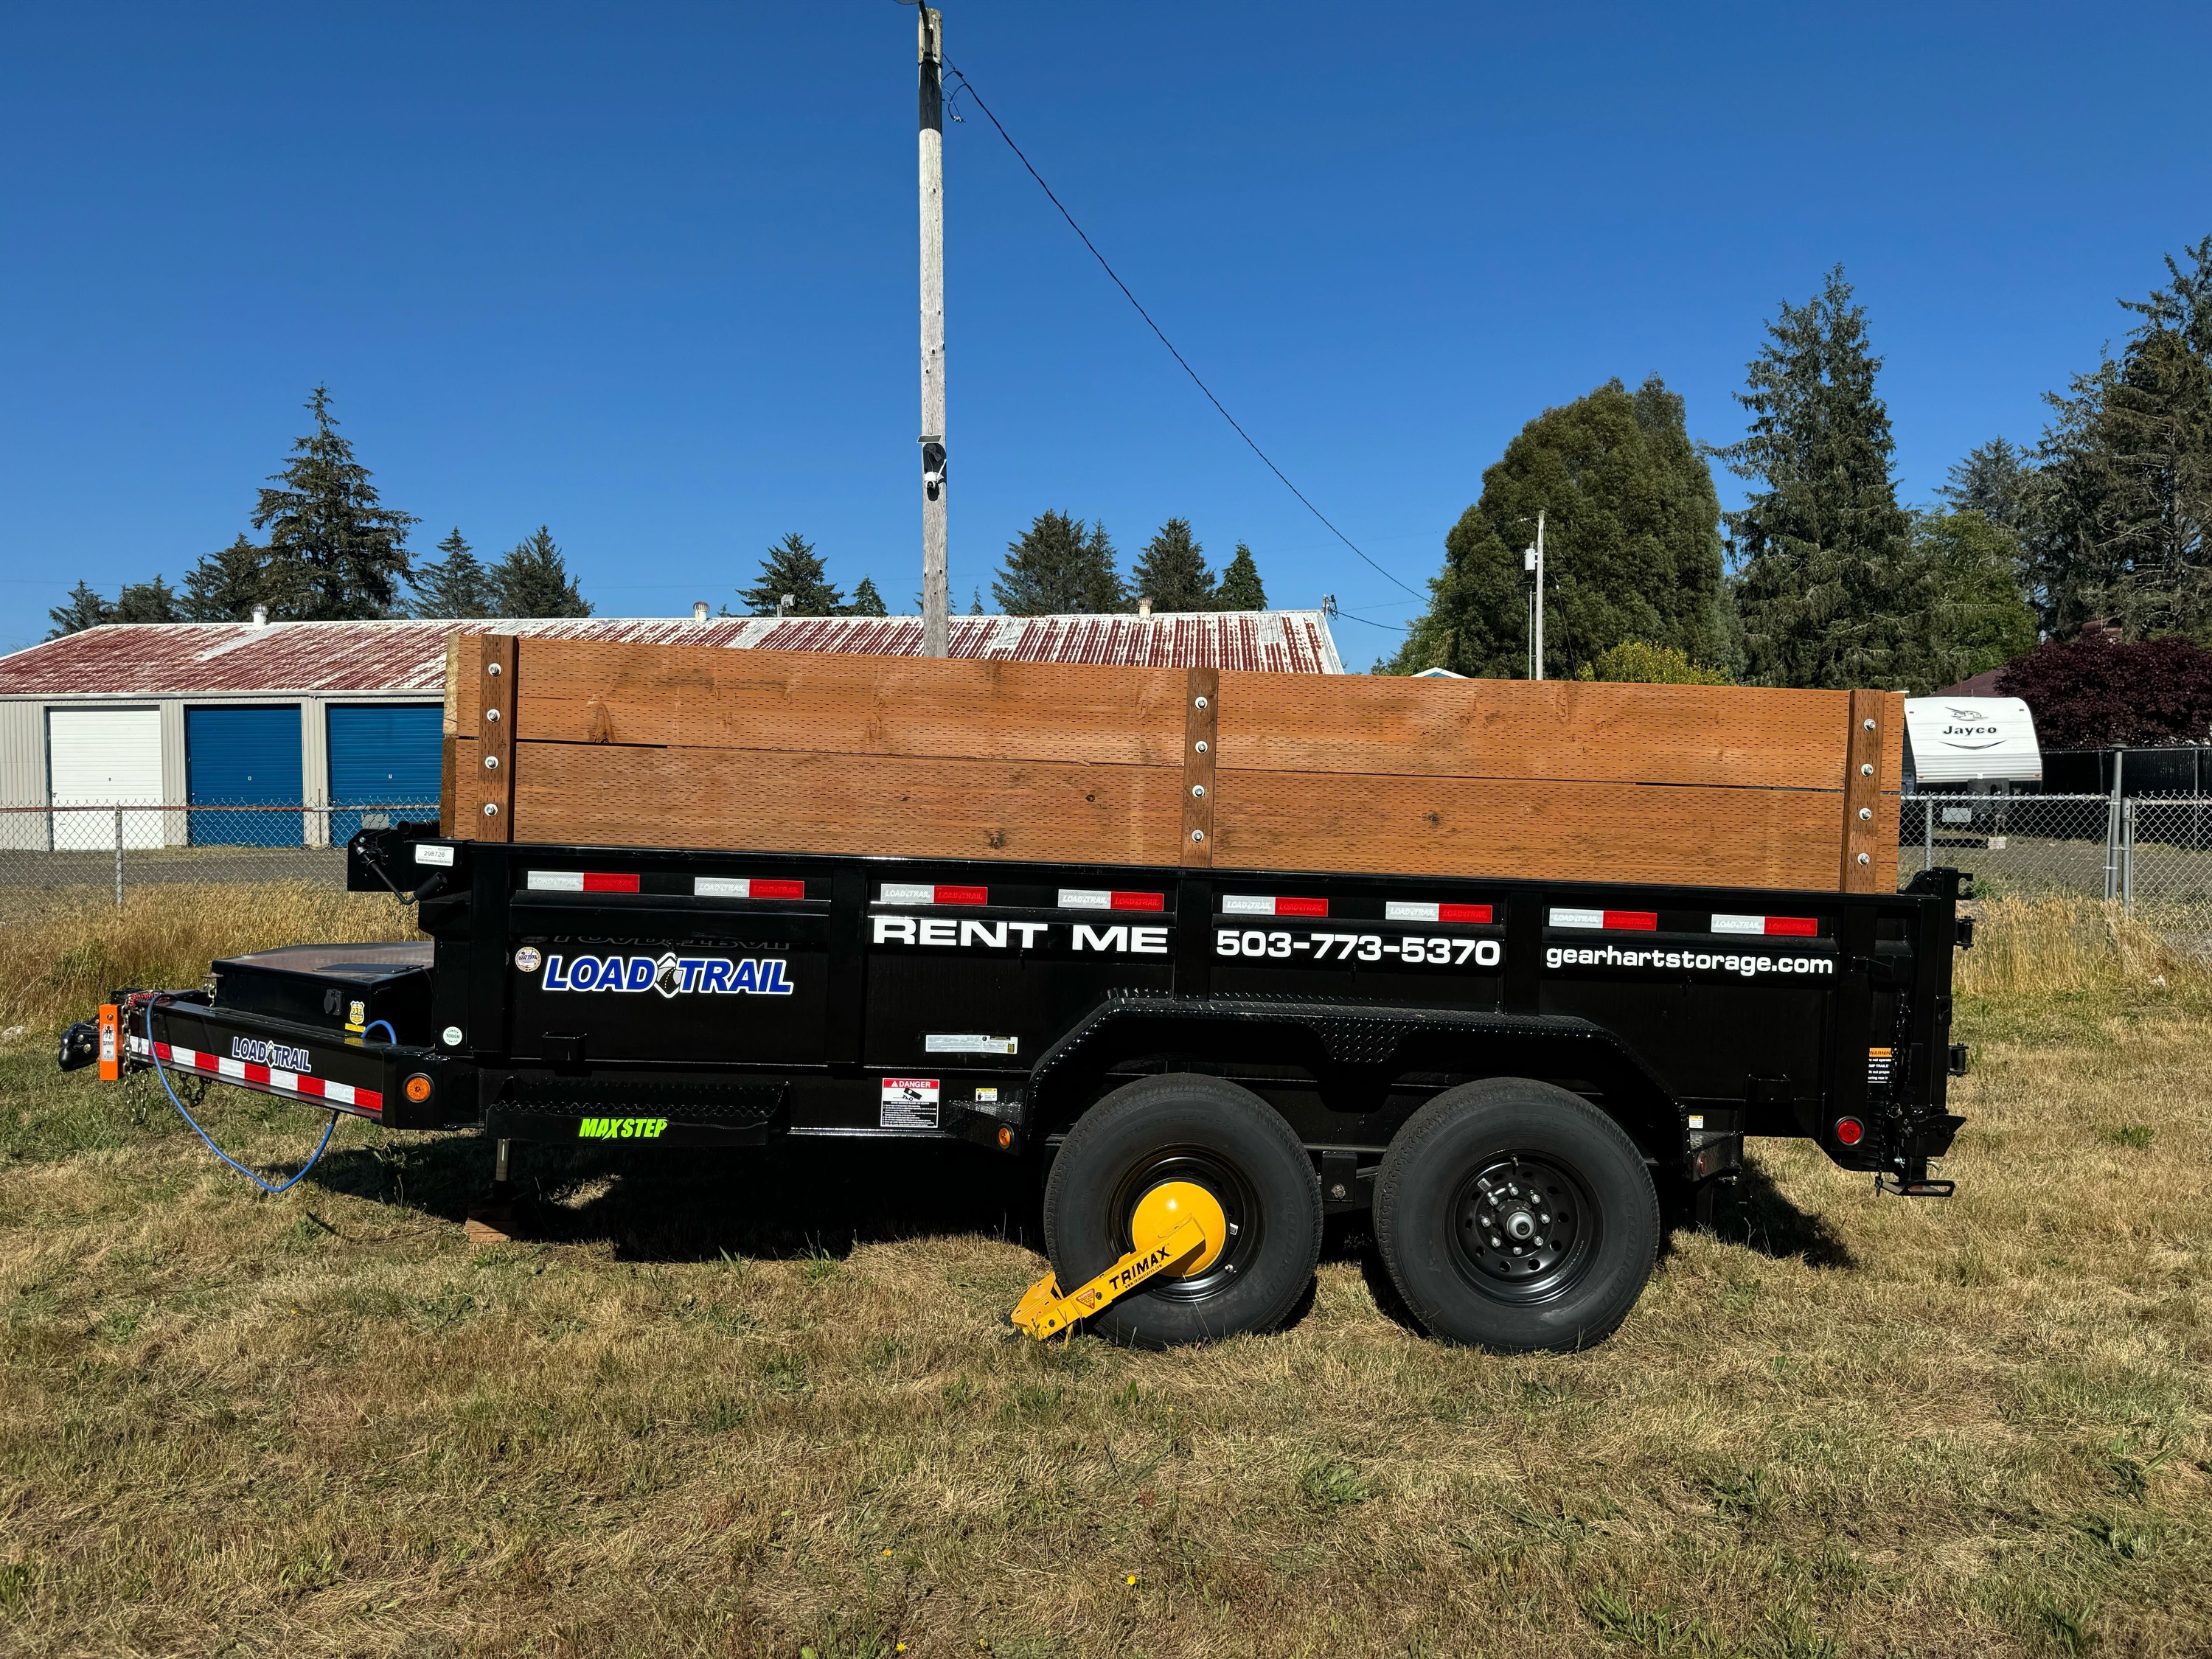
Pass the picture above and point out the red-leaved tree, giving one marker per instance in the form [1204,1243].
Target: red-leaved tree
[2096,692]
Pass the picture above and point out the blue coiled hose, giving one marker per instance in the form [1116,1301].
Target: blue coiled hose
[273,1189]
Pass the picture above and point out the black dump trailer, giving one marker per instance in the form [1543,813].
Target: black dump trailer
[1512,1076]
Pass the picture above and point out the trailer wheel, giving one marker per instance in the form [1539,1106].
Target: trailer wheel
[1515,1215]
[1182,1127]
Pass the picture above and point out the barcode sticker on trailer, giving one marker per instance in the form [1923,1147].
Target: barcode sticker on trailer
[1635,921]
[1257,904]
[908,1102]
[957,1043]
[1102,898]
[1418,910]
[759,887]
[425,853]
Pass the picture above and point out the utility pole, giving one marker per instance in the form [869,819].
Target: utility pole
[1533,561]
[936,628]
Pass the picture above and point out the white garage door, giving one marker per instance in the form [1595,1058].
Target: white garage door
[104,757]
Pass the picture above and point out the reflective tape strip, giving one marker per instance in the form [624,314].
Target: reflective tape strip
[915,892]
[1772,926]
[247,1074]
[1100,898]
[1634,922]
[1417,910]
[1256,904]
[579,881]
[759,887]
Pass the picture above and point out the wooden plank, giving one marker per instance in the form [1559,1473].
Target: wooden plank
[496,741]
[1753,736]
[1201,715]
[448,749]
[694,696]
[1572,831]
[1869,865]
[775,800]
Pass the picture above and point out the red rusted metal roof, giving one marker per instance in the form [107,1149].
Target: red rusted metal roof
[403,657]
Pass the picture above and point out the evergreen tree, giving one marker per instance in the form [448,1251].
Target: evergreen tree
[83,609]
[533,580]
[226,585]
[334,551]
[866,602]
[154,601]
[1962,609]
[1240,588]
[457,586]
[793,569]
[1822,594]
[2186,306]
[1172,571]
[1632,544]
[2125,492]
[1057,567]
[1996,481]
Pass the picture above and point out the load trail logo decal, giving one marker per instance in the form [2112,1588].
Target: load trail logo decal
[672,975]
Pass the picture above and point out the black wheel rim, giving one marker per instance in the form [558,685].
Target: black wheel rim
[1522,1228]
[1240,1205]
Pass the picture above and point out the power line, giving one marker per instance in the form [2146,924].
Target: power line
[968,86]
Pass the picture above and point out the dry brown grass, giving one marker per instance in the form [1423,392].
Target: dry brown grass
[767,1404]
[59,956]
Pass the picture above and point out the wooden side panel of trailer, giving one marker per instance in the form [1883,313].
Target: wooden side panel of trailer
[610,742]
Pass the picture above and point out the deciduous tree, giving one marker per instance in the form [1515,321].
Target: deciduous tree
[1631,544]
[2097,692]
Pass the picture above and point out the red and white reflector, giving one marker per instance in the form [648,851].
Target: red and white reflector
[1784,926]
[268,1079]
[579,881]
[1103,898]
[922,892]
[1415,910]
[1256,904]
[1629,922]
[747,887]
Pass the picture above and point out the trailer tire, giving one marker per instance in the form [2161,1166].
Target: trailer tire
[1476,1266]
[1185,1127]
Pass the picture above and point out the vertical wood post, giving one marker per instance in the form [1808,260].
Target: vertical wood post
[1867,866]
[936,598]
[1201,724]
[496,747]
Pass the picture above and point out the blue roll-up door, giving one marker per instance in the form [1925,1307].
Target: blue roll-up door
[238,757]
[384,757]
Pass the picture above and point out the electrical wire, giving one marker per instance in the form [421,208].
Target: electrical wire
[968,86]
[155,1054]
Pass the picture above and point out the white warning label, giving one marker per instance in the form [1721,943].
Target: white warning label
[909,1103]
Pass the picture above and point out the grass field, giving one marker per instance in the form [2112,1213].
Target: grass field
[768,1406]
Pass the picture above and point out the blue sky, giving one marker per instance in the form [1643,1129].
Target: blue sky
[646,274]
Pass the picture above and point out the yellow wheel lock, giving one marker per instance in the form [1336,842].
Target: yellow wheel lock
[1180,1230]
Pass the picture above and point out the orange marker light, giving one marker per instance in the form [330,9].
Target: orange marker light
[111,1044]
[418,1088]
[1006,1136]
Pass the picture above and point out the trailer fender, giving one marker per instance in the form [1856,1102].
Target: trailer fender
[1363,1046]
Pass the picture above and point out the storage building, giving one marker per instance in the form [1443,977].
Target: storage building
[204,727]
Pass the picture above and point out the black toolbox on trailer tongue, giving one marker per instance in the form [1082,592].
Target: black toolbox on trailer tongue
[345,988]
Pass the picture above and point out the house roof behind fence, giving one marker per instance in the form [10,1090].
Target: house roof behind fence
[400,658]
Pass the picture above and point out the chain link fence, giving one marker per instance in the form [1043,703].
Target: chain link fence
[54,852]
[2151,852]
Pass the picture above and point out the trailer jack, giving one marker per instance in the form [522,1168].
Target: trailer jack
[1179,1229]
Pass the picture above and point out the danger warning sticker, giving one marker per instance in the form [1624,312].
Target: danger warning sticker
[909,1103]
